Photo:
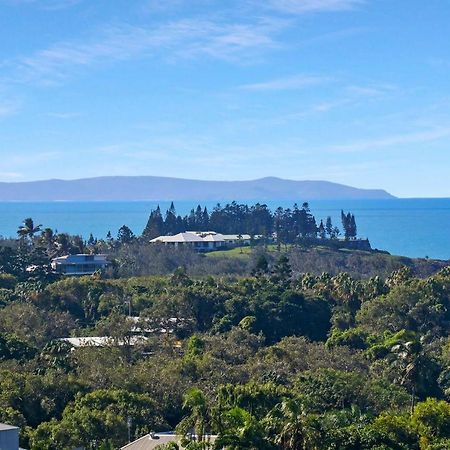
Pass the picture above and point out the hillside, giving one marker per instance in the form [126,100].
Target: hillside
[163,188]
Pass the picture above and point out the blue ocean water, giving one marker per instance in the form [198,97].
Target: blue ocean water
[409,227]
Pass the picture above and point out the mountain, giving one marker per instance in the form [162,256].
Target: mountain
[163,188]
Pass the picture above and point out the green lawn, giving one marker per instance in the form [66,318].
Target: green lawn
[241,252]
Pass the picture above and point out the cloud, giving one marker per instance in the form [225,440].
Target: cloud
[10,175]
[434,134]
[30,159]
[64,115]
[313,6]
[370,91]
[187,38]
[8,108]
[289,83]
[51,5]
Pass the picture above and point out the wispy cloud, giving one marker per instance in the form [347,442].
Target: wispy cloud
[8,108]
[430,135]
[370,90]
[354,95]
[187,38]
[288,83]
[313,6]
[28,159]
[51,5]
[10,176]
[64,115]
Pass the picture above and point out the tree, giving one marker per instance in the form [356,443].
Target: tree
[329,229]
[288,421]
[282,271]
[170,224]
[98,418]
[125,235]
[155,225]
[28,229]
[198,420]
[242,431]
[349,225]
[321,230]
[261,266]
[11,347]
[91,241]
[413,367]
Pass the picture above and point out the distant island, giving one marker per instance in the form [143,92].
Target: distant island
[147,188]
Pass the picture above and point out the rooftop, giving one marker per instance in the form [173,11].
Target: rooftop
[153,441]
[6,427]
[201,236]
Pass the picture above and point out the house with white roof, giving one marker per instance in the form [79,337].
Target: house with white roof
[203,240]
[79,265]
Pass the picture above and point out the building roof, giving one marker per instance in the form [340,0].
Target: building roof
[152,441]
[180,237]
[200,236]
[99,341]
[81,257]
[6,427]
[235,237]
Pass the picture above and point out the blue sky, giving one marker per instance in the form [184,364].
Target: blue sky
[352,91]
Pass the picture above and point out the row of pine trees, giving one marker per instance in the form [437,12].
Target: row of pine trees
[288,224]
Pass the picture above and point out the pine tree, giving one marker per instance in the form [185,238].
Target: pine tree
[329,228]
[91,241]
[155,225]
[282,271]
[205,219]
[199,225]
[125,235]
[353,227]
[321,230]
[261,266]
[170,224]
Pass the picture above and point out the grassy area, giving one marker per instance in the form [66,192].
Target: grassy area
[241,252]
[244,251]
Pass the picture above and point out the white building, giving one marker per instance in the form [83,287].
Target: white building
[101,341]
[81,264]
[204,240]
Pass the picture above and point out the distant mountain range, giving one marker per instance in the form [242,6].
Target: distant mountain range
[162,188]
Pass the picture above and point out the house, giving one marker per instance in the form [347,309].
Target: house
[101,341]
[9,437]
[204,240]
[155,440]
[81,264]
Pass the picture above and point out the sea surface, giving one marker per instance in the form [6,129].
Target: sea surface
[408,227]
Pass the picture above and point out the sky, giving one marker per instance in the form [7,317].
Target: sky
[351,91]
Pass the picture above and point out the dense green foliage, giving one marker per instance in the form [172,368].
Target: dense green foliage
[270,358]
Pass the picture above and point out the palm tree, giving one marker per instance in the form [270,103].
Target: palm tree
[198,419]
[242,431]
[288,420]
[48,239]
[410,359]
[63,244]
[27,229]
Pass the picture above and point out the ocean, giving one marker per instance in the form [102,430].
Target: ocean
[408,227]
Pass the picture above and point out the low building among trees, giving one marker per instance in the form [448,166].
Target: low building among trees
[204,240]
[80,264]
